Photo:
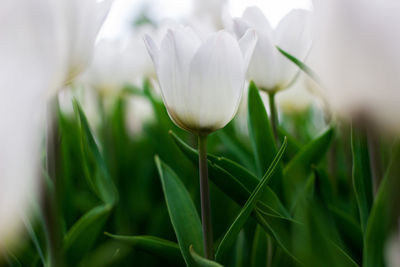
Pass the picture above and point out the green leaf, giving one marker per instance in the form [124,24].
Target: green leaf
[83,234]
[159,247]
[234,180]
[245,212]
[239,259]
[100,182]
[385,212]
[362,178]
[201,261]
[280,230]
[35,240]
[259,257]
[300,64]
[182,212]
[297,171]
[261,136]
[237,183]
[236,145]
[350,231]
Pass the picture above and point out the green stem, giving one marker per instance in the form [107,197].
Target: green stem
[52,194]
[205,198]
[274,114]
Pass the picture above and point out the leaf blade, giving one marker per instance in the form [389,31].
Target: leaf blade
[183,214]
[361,173]
[245,212]
[162,248]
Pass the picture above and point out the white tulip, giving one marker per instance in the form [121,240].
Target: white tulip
[269,69]
[81,25]
[356,56]
[117,62]
[201,82]
[111,68]
[297,99]
[31,63]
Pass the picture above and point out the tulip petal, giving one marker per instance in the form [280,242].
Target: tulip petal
[177,50]
[293,36]
[216,81]
[151,47]
[255,17]
[240,26]
[102,11]
[247,44]
[263,64]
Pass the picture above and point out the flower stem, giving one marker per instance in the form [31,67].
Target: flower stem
[205,198]
[274,114]
[51,195]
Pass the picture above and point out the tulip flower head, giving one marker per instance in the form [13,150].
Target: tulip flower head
[268,68]
[201,81]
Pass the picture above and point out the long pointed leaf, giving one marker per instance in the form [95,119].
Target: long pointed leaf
[297,171]
[385,212]
[362,179]
[182,212]
[159,247]
[233,179]
[261,136]
[100,182]
[245,212]
[201,261]
[300,64]
[82,235]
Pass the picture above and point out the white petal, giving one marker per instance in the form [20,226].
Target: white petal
[293,36]
[254,16]
[176,52]
[152,48]
[216,82]
[262,67]
[247,44]
[84,19]
[240,26]
[102,11]
[262,64]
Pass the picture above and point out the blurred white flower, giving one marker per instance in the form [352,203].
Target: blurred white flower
[122,61]
[139,112]
[112,67]
[297,99]
[31,63]
[201,82]
[392,250]
[356,56]
[269,69]
[211,10]
[82,22]
[208,16]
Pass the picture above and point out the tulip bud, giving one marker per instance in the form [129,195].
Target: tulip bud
[201,82]
[268,68]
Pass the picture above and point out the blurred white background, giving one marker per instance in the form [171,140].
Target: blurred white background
[125,12]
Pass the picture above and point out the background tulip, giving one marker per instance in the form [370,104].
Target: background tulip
[268,68]
[356,57]
[83,20]
[201,83]
[31,62]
